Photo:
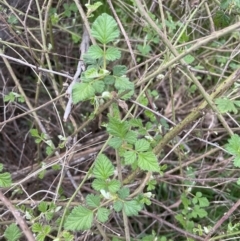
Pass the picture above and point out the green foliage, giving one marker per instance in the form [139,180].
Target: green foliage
[193,208]
[80,218]
[233,147]
[5,178]
[43,138]
[13,96]
[42,231]
[226,105]
[97,79]
[12,233]
[92,8]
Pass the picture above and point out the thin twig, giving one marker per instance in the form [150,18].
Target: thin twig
[18,218]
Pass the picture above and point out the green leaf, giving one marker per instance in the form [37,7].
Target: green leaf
[103,168]
[147,161]
[103,214]
[119,70]
[109,80]
[91,73]
[105,29]
[117,128]
[99,86]
[49,150]
[144,49]
[5,179]
[67,236]
[80,218]
[189,59]
[42,230]
[222,19]
[142,145]
[151,185]
[123,83]
[124,192]
[115,142]
[203,201]
[34,132]
[91,8]
[130,157]
[132,207]
[12,233]
[95,52]
[82,91]
[226,105]
[118,206]
[233,146]
[99,184]
[131,137]
[236,161]
[10,97]
[114,186]
[197,211]
[112,54]
[43,206]
[93,200]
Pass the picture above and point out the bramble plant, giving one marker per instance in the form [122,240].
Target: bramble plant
[146,147]
[124,134]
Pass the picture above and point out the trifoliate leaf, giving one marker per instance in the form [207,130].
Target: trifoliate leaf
[12,233]
[95,52]
[115,142]
[130,157]
[117,128]
[5,179]
[105,29]
[80,218]
[112,54]
[99,184]
[117,206]
[147,161]
[103,168]
[114,186]
[142,145]
[123,83]
[82,91]
[132,207]
[124,192]
[102,214]
[119,70]
[93,200]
